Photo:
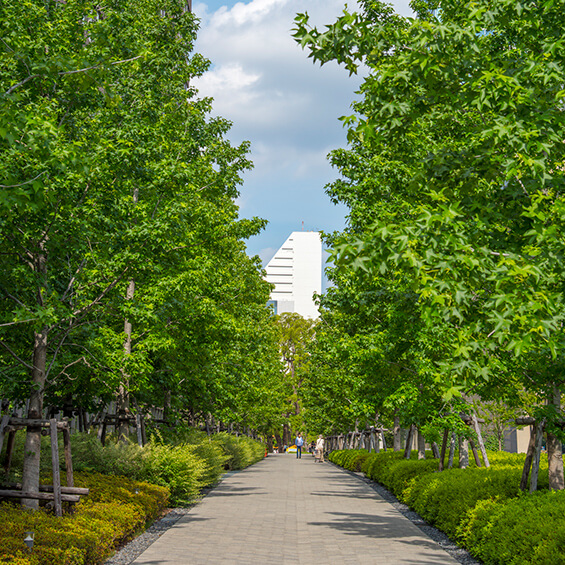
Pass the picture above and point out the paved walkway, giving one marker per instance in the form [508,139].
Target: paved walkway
[289,511]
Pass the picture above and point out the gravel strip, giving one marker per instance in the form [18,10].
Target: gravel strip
[131,551]
[458,553]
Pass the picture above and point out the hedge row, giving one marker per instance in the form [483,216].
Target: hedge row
[184,460]
[482,509]
[113,513]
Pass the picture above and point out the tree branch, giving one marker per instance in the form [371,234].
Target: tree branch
[18,359]
[23,183]
[79,269]
[20,322]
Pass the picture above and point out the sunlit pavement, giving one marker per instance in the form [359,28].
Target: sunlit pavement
[288,510]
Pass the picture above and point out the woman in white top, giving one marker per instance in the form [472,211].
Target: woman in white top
[320,449]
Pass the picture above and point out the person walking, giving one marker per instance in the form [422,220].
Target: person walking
[320,449]
[299,442]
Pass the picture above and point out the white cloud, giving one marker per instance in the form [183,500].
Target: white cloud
[242,14]
[278,99]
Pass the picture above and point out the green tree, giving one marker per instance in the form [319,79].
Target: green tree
[476,89]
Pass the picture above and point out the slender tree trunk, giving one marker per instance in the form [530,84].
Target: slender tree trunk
[32,449]
[555,448]
[443,449]
[528,460]
[451,450]
[122,399]
[537,455]
[409,438]
[397,434]
[463,453]
[421,445]
[167,405]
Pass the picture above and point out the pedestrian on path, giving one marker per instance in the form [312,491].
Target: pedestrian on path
[299,442]
[320,449]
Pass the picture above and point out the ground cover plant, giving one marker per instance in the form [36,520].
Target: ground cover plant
[171,470]
[482,509]
[112,513]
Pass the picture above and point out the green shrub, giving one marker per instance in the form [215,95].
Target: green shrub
[176,467]
[526,530]
[351,459]
[113,512]
[241,450]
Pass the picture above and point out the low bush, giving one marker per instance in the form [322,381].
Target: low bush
[113,512]
[351,459]
[526,530]
[241,450]
[185,463]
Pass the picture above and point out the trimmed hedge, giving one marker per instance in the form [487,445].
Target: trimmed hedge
[113,512]
[483,509]
[185,463]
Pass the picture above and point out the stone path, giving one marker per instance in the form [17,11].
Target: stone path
[293,511]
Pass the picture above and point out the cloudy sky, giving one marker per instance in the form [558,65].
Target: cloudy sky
[287,107]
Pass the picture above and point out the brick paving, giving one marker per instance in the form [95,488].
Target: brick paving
[285,510]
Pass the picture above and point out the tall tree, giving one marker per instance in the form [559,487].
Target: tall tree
[476,89]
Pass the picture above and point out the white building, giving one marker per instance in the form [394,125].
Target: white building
[296,272]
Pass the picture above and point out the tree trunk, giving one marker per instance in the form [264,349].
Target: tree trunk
[409,438]
[451,450]
[528,460]
[122,400]
[167,405]
[443,450]
[463,453]
[421,445]
[397,434]
[32,449]
[287,440]
[555,447]
[537,455]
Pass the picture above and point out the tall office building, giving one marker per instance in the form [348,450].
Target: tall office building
[296,272]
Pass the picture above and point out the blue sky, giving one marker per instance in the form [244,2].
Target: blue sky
[287,107]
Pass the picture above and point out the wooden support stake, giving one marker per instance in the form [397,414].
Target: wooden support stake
[56,472]
[528,460]
[475,453]
[443,450]
[68,458]
[9,451]
[38,495]
[482,447]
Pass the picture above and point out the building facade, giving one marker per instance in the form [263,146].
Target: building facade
[296,272]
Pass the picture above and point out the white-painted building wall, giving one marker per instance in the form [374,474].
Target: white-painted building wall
[296,272]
